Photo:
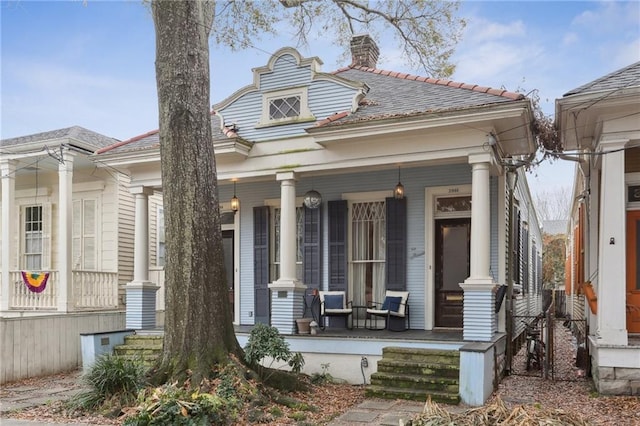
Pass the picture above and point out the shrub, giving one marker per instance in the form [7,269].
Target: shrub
[265,341]
[112,379]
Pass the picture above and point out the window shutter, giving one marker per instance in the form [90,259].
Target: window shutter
[396,248]
[261,264]
[89,250]
[76,234]
[46,237]
[338,244]
[312,247]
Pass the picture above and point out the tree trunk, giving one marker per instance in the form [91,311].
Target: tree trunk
[198,326]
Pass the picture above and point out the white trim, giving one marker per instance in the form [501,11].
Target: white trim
[430,195]
[88,186]
[42,191]
[366,196]
[235,227]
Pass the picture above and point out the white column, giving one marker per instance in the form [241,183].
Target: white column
[612,328]
[287,292]
[480,322]
[65,216]
[141,236]
[7,171]
[141,293]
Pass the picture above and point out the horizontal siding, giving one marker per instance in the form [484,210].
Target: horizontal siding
[126,215]
[286,73]
[332,188]
[49,344]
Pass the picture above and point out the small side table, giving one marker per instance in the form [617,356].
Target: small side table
[355,316]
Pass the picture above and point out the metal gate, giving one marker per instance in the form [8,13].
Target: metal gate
[565,350]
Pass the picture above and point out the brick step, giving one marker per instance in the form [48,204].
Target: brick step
[407,381]
[418,368]
[388,392]
[147,360]
[434,356]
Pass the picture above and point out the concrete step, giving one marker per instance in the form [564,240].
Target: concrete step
[433,356]
[408,381]
[418,368]
[388,392]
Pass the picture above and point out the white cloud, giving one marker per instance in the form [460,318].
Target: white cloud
[481,30]
[627,54]
[570,38]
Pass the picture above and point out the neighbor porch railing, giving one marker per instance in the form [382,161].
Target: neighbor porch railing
[89,290]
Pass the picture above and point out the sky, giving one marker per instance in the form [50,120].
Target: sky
[91,63]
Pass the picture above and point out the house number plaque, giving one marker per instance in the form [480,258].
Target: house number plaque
[633,193]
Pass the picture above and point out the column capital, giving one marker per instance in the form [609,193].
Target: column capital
[480,157]
[285,176]
[611,142]
[144,190]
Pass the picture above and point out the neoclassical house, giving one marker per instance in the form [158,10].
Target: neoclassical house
[599,125]
[360,180]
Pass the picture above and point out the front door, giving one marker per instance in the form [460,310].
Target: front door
[633,277]
[227,245]
[452,254]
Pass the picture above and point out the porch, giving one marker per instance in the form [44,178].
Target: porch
[89,290]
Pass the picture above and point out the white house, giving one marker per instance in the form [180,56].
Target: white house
[68,225]
[599,127]
[407,187]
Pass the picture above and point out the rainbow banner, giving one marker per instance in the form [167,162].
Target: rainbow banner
[35,281]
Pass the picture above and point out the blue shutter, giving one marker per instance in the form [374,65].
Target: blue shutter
[337,244]
[396,250]
[312,247]
[261,264]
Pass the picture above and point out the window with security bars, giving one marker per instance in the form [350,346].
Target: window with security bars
[276,243]
[288,107]
[368,251]
[33,236]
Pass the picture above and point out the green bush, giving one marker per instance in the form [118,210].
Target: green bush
[112,379]
[265,341]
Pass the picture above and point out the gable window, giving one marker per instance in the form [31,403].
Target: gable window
[84,234]
[285,106]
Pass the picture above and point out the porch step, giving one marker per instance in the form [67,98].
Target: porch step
[145,347]
[416,374]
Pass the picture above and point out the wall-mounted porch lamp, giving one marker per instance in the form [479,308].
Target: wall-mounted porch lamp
[398,192]
[235,202]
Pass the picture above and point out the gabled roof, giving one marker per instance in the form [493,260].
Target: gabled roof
[152,139]
[628,76]
[80,134]
[394,94]
[388,94]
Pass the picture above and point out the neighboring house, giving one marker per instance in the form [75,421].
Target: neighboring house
[413,192]
[599,123]
[70,221]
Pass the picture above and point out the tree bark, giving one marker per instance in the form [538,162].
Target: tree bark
[198,330]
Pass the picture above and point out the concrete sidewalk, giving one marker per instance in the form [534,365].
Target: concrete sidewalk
[371,412]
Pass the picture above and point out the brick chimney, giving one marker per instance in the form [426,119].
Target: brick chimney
[364,51]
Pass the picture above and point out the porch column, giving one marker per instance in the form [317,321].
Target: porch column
[65,216]
[7,171]
[611,292]
[479,319]
[287,292]
[141,293]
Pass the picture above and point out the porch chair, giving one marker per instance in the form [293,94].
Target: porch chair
[394,309]
[334,304]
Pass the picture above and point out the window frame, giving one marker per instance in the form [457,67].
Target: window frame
[303,115]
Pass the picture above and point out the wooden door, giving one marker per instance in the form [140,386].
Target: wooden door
[633,278]
[452,254]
